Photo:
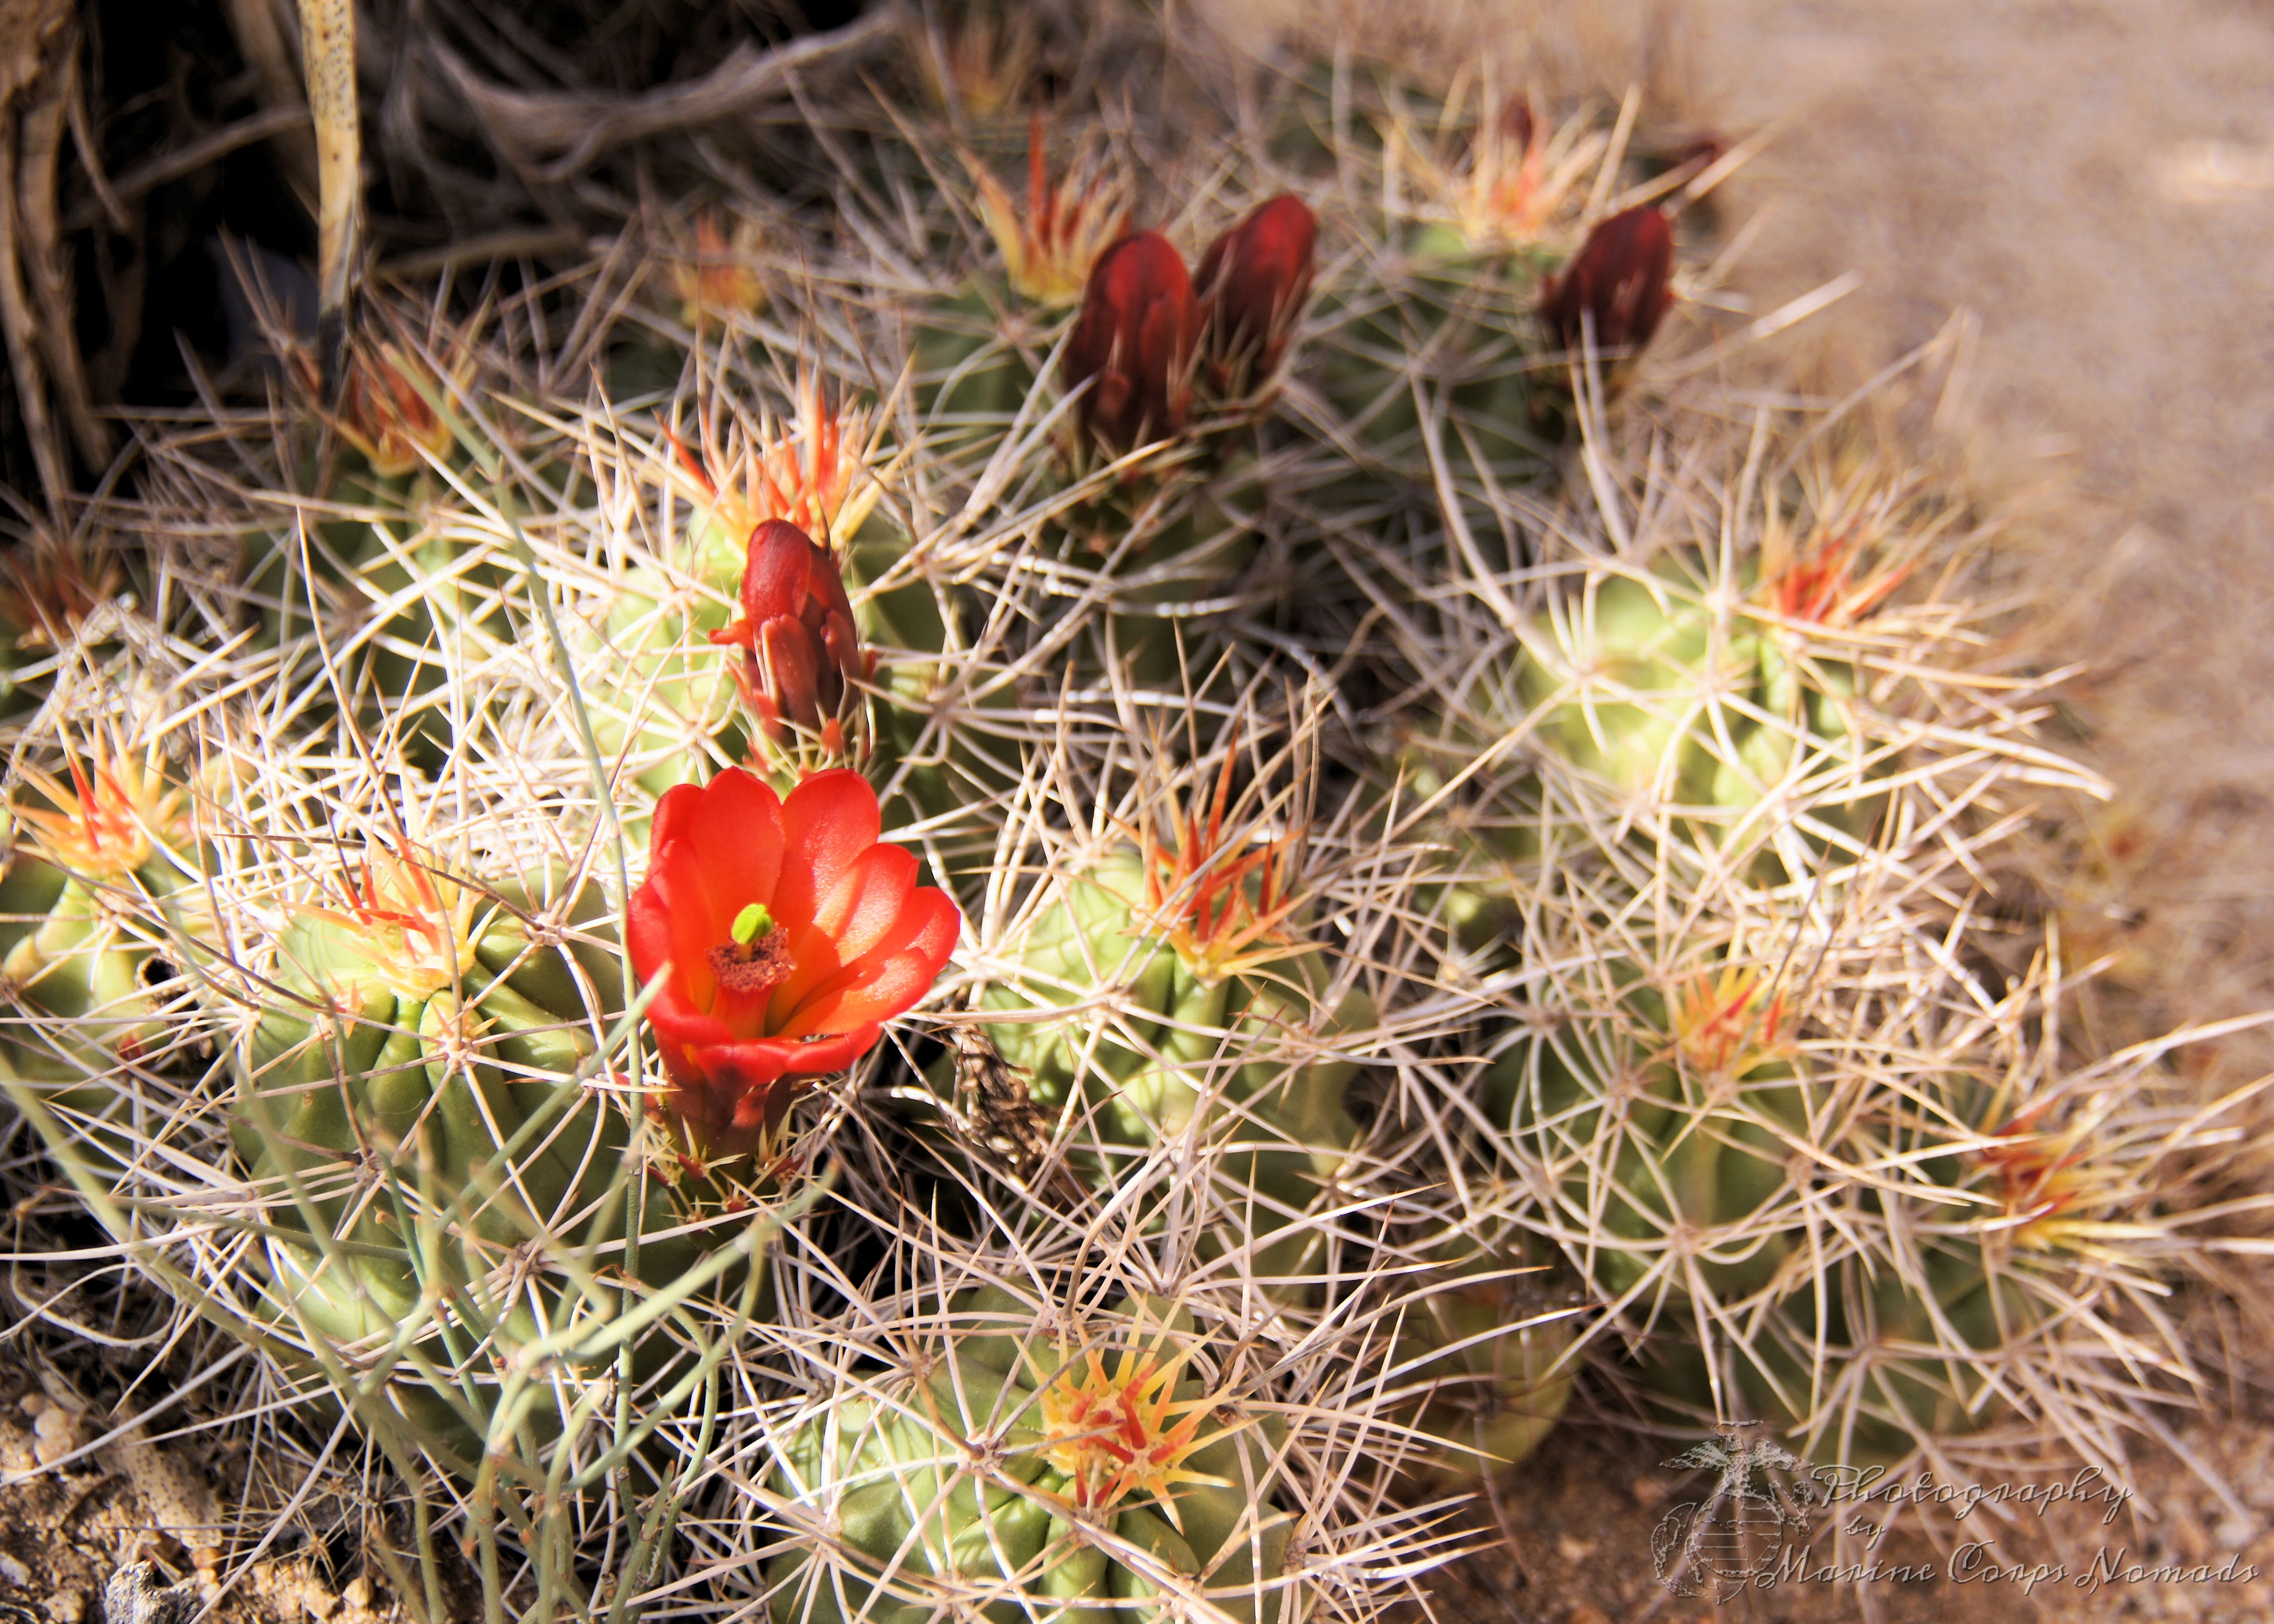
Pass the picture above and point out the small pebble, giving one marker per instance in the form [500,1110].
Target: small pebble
[55,1434]
[1647,1491]
[1574,1550]
[67,1606]
[2235,1533]
[14,1572]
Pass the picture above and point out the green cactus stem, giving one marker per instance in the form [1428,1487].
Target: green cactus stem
[1110,1480]
[413,1101]
[1204,956]
[1666,1125]
[1490,1352]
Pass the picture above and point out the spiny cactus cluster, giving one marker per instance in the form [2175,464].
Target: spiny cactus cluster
[1053,917]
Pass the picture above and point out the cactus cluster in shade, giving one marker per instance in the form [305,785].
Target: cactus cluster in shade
[1058,903]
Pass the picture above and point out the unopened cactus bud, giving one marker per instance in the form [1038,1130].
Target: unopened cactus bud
[1252,285]
[1617,288]
[803,672]
[1134,344]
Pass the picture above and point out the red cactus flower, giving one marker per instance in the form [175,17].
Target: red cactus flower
[1253,281]
[1135,338]
[792,933]
[1616,283]
[804,665]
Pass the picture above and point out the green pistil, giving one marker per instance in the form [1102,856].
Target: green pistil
[751,924]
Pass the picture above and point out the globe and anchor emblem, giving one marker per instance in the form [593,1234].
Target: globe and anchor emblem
[1756,1506]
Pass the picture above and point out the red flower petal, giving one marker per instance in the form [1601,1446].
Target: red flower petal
[680,1025]
[858,913]
[675,875]
[647,930]
[892,976]
[862,939]
[827,821]
[736,834]
[718,1090]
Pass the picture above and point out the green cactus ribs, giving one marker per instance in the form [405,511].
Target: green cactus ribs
[387,596]
[1860,1365]
[1713,696]
[1491,253]
[1092,1473]
[1665,1122]
[446,1185]
[1168,994]
[1483,1359]
[84,953]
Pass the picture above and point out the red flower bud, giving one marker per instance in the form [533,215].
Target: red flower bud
[1253,281]
[1517,123]
[1616,283]
[803,662]
[1133,342]
[792,934]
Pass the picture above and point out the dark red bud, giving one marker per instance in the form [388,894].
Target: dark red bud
[1253,281]
[1517,122]
[1135,338]
[803,660]
[1617,284]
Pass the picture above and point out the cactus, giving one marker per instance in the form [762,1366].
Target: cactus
[82,962]
[416,1099]
[1434,363]
[1856,1370]
[50,593]
[1684,804]
[1107,1482]
[1493,1359]
[1667,1120]
[1216,1030]
[1643,681]
[391,605]
[1644,926]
